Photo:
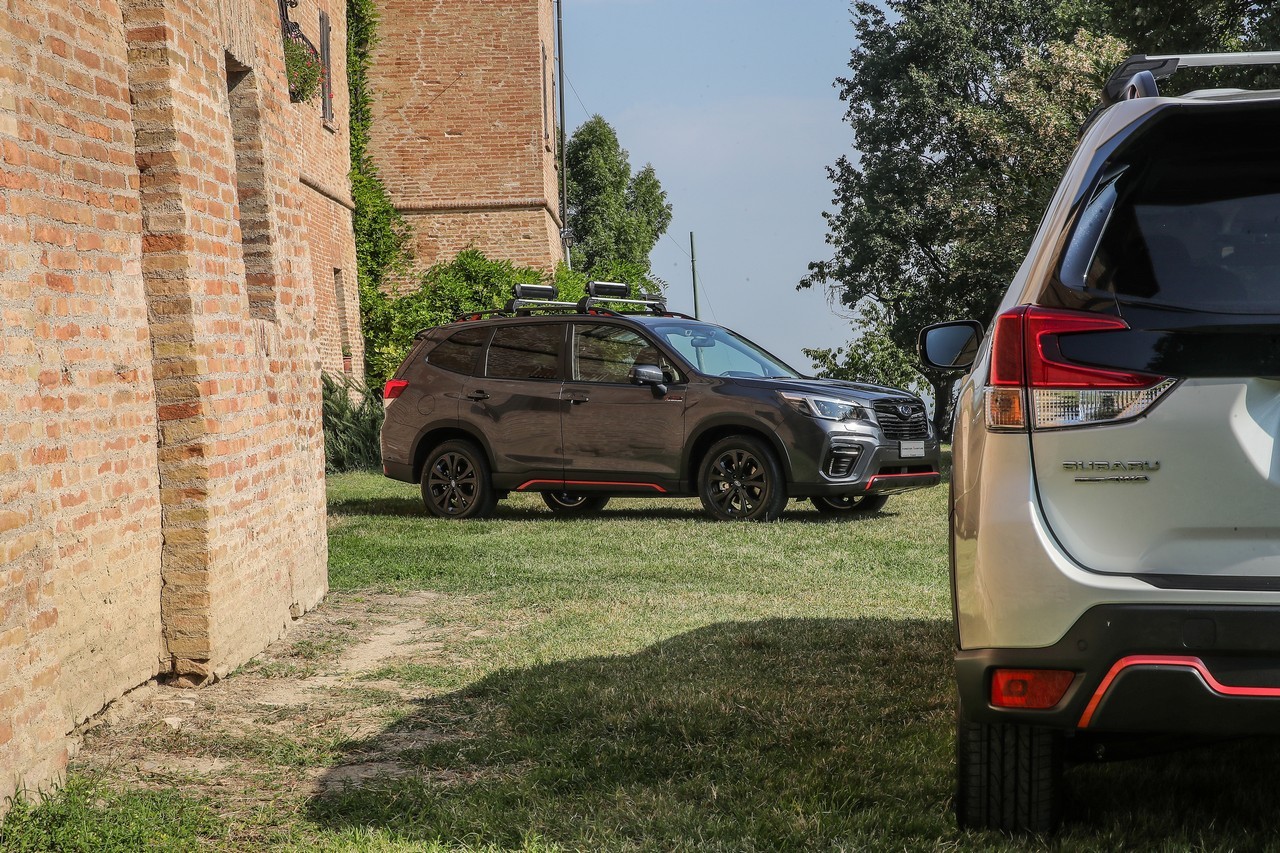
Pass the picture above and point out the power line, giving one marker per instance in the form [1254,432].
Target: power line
[579,97]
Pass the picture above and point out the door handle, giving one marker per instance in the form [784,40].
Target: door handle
[477,396]
[577,397]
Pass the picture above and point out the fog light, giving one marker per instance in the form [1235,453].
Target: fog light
[1029,688]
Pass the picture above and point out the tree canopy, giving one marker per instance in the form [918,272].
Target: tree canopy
[965,113]
[614,217]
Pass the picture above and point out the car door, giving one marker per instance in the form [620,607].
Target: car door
[515,403]
[615,431]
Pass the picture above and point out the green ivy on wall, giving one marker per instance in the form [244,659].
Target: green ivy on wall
[382,234]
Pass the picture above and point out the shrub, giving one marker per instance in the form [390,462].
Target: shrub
[352,418]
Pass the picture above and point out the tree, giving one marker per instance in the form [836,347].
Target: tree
[614,218]
[965,113]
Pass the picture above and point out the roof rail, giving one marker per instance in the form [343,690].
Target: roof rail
[1136,77]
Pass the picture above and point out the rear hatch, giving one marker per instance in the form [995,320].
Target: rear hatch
[1152,365]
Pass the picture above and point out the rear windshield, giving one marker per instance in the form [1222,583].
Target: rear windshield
[1188,216]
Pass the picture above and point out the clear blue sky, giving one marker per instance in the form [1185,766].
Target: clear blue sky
[733,103]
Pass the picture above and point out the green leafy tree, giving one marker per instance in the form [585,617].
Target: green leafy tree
[965,113]
[615,218]
[871,357]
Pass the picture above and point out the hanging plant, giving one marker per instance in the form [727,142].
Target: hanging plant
[303,68]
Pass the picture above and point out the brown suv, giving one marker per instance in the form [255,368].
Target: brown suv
[581,403]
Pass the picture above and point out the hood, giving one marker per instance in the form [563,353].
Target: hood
[862,392]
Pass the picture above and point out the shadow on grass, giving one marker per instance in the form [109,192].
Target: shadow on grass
[777,734]
[781,734]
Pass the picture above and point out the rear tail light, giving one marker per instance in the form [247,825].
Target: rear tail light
[1030,379]
[394,388]
[1029,688]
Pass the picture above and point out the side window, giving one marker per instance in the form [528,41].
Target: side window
[604,353]
[526,352]
[460,351]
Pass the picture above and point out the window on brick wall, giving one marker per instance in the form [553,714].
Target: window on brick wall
[344,330]
[326,74]
[546,105]
[251,190]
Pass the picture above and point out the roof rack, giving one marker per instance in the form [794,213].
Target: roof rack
[528,298]
[1136,77]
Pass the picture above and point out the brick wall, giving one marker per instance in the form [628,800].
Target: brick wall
[172,225]
[79,503]
[464,125]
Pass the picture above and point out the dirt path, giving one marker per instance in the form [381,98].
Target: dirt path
[317,709]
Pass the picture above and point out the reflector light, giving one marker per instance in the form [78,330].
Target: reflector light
[1029,688]
[1026,356]
[393,389]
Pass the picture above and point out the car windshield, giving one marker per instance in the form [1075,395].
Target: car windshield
[720,352]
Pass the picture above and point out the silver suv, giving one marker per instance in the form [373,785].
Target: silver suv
[1115,517]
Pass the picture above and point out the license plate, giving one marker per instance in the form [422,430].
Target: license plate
[911,449]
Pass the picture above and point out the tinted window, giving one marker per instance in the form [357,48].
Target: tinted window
[1195,220]
[526,352]
[607,353]
[460,351]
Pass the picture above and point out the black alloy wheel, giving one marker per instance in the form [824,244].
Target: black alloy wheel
[573,503]
[455,482]
[849,503]
[741,479]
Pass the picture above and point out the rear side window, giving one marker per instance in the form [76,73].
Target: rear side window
[1192,220]
[526,352]
[460,351]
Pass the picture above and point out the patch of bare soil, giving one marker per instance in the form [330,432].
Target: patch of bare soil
[307,715]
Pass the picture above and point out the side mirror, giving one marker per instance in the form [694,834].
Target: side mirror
[950,346]
[651,375]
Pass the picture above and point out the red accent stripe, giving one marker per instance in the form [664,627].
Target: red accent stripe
[895,476]
[1186,662]
[563,483]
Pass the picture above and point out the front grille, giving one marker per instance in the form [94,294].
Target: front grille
[900,426]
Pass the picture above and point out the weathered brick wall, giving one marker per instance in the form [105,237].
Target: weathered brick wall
[79,503]
[241,459]
[166,262]
[464,125]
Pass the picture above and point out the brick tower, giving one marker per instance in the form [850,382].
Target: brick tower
[464,126]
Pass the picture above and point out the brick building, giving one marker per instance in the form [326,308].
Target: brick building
[464,126]
[178,267]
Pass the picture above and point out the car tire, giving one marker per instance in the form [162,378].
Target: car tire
[849,503]
[740,479]
[573,503]
[455,481]
[1008,777]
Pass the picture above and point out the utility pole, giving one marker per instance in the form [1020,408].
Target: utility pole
[693,264]
[564,140]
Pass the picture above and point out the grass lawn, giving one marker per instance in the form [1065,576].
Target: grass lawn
[645,679]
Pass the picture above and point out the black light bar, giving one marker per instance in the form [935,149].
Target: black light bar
[608,290]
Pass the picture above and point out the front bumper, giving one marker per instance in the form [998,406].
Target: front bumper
[877,467]
[1187,669]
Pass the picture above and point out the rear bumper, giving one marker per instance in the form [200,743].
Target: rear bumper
[1147,669]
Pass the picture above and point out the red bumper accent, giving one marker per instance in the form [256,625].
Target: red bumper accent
[1180,661]
[892,484]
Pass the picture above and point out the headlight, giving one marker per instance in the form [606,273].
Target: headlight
[827,408]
